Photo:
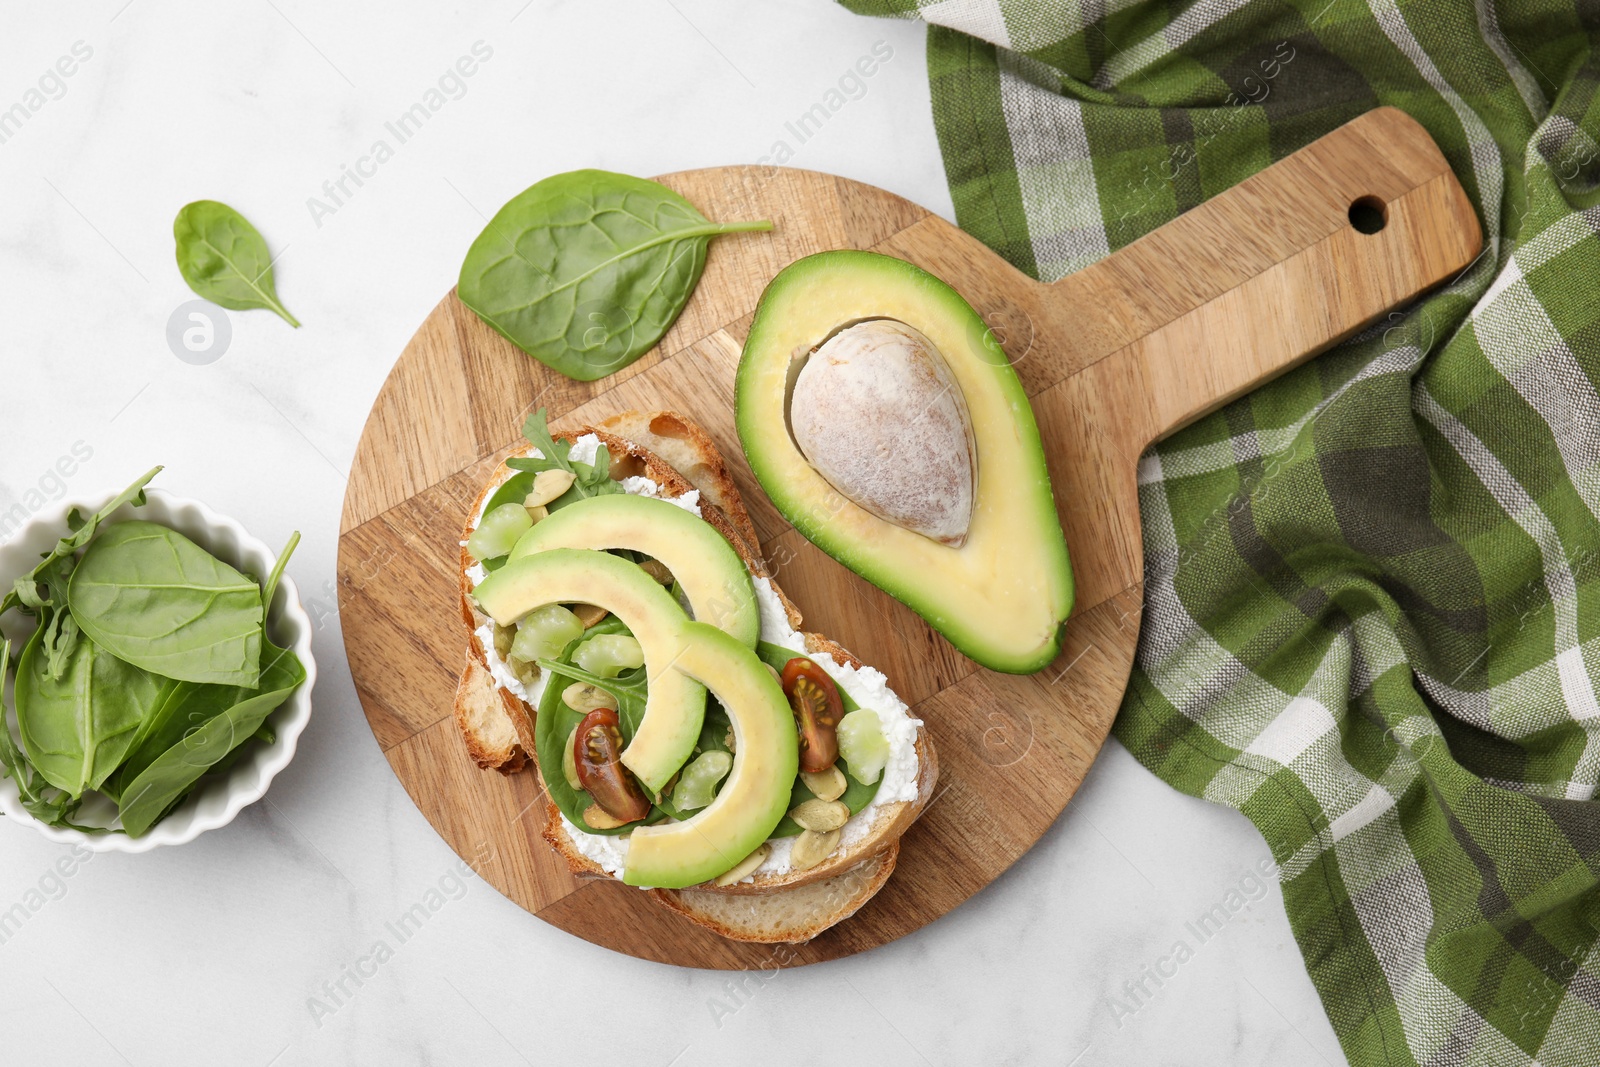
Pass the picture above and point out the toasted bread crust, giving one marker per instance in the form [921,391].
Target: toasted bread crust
[489,720]
[690,450]
[786,916]
[721,506]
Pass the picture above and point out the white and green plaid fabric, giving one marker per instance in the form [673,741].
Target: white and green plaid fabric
[1372,587]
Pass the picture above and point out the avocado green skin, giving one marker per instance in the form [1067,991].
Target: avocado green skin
[1003,596]
[714,579]
[676,706]
[754,797]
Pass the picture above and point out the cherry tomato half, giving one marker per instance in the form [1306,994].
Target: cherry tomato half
[817,708]
[597,752]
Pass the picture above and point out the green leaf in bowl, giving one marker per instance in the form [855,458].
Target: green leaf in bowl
[152,597]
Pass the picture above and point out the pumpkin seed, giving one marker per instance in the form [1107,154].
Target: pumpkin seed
[744,867]
[811,848]
[821,816]
[597,818]
[569,762]
[588,614]
[580,696]
[827,785]
[547,486]
[657,570]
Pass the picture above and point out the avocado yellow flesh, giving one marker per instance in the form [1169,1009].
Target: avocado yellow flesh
[1001,596]
[675,706]
[754,797]
[714,578]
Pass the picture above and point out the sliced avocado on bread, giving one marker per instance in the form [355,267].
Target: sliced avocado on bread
[712,575]
[615,557]
[886,424]
[676,704]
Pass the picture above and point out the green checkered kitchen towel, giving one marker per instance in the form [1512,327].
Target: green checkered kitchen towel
[1372,587]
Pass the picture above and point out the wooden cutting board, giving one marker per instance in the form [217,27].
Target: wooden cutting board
[1114,357]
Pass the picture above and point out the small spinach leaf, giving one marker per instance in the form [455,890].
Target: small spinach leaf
[58,561]
[40,799]
[552,724]
[150,596]
[169,777]
[586,271]
[76,730]
[225,259]
[554,720]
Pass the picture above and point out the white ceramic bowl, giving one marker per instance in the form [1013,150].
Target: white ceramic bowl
[219,801]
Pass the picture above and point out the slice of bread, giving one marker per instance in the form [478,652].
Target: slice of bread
[488,718]
[791,915]
[497,727]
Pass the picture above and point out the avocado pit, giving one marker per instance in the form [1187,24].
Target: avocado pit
[876,411]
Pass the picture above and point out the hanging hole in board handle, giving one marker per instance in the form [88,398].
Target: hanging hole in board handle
[1369,214]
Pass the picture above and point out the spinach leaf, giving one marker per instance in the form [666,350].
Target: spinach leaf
[630,688]
[187,707]
[183,708]
[225,259]
[76,730]
[150,596]
[551,725]
[40,799]
[586,271]
[170,776]
[59,559]
[555,720]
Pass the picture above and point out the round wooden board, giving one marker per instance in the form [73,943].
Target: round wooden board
[1112,356]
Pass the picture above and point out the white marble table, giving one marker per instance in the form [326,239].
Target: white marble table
[219,952]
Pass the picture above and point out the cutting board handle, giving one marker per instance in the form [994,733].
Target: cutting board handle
[1268,273]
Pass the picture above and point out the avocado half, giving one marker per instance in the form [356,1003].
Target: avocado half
[1003,595]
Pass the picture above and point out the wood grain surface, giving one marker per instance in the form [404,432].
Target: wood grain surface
[1233,292]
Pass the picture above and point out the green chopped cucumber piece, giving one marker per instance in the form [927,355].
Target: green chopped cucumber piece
[608,655]
[862,745]
[499,532]
[545,633]
[698,782]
